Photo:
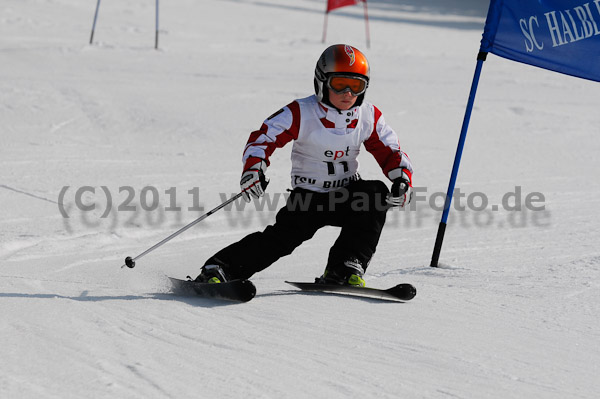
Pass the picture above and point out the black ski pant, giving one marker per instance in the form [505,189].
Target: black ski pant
[359,209]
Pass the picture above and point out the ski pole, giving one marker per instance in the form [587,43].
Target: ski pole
[95,19]
[130,262]
[156,33]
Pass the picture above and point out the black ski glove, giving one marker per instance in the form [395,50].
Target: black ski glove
[401,192]
[254,182]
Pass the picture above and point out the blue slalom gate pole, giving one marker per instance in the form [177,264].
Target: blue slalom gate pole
[94,23]
[461,143]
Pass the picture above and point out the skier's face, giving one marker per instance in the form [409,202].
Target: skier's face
[342,101]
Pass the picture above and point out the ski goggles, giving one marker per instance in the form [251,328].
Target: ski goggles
[341,84]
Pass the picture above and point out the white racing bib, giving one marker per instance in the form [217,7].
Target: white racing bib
[327,143]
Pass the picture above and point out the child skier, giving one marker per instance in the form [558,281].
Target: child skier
[328,129]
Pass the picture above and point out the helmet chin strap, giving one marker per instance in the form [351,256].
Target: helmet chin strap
[358,103]
[328,103]
[325,94]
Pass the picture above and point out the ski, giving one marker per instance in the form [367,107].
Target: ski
[235,290]
[401,292]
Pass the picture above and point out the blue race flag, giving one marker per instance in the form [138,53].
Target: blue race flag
[559,35]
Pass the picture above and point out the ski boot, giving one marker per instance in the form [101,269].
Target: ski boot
[212,274]
[351,273]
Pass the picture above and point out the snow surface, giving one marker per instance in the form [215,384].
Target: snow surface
[513,312]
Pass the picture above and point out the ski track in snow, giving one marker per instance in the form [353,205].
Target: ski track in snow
[511,312]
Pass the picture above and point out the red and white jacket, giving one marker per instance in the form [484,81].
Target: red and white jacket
[327,143]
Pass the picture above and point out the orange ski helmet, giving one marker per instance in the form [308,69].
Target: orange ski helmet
[340,60]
